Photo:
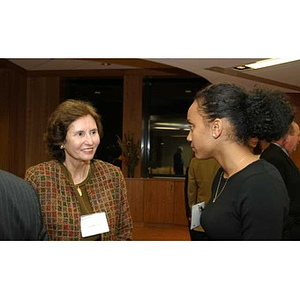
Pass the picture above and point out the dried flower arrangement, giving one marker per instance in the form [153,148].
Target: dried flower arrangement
[131,151]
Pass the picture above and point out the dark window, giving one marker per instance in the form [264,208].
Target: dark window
[106,95]
[166,102]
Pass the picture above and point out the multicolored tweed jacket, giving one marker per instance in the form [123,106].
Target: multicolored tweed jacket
[60,207]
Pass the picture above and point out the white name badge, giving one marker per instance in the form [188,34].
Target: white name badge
[196,214]
[94,224]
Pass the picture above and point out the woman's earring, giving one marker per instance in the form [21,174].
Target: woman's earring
[62,146]
[214,135]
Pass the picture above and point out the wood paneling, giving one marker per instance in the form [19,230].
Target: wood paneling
[12,120]
[156,201]
[42,99]
[135,195]
[4,119]
[179,203]
[158,196]
[132,110]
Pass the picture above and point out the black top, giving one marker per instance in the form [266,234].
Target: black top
[252,206]
[20,214]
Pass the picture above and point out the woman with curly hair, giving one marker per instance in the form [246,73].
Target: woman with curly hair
[249,199]
[81,198]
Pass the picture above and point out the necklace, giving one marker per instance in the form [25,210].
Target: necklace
[216,194]
[79,191]
[78,185]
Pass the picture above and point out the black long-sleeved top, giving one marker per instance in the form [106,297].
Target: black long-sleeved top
[252,206]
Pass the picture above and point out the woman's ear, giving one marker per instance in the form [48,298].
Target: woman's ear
[216,128]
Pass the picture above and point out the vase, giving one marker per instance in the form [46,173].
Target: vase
[130,171]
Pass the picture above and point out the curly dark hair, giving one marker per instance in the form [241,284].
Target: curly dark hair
[60,120]
[263,114]
[270,114]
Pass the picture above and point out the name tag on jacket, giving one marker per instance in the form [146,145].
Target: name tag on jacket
[94,224]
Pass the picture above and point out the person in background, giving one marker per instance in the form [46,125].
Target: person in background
[249,198]
[178,161]
[255,146]
[278,154]
[201,174]
[20,214]
[73,187]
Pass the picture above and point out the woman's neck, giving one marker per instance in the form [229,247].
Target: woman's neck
[235,159]
[78,170]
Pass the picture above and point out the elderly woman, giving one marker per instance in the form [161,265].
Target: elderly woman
[249,199]
[81,198]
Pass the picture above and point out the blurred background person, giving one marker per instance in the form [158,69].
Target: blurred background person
[178,161]
[73,187]
[201,173]
[255,146]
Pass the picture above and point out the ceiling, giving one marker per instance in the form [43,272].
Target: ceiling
[285,77]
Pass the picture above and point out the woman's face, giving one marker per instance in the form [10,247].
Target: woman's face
[82,139]
[200,134]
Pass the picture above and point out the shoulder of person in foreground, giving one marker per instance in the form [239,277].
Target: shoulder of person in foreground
[20,212]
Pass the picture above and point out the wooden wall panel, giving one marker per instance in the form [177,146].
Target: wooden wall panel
[4,119]
[179,203]
[135,196]
[132,110]
[12,120]
[42,99]
[18,124]
[158,196]
[159,201]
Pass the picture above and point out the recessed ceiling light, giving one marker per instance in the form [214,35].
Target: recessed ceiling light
[270,62]
[240,68]
[265,63]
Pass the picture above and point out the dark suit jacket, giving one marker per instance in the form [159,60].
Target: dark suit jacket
[290,174]
[20,215]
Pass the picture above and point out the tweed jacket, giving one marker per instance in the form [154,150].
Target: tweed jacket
[106,190]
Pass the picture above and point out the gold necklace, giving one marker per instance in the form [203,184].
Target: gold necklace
[216,194]
[78,186]
[79,191]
